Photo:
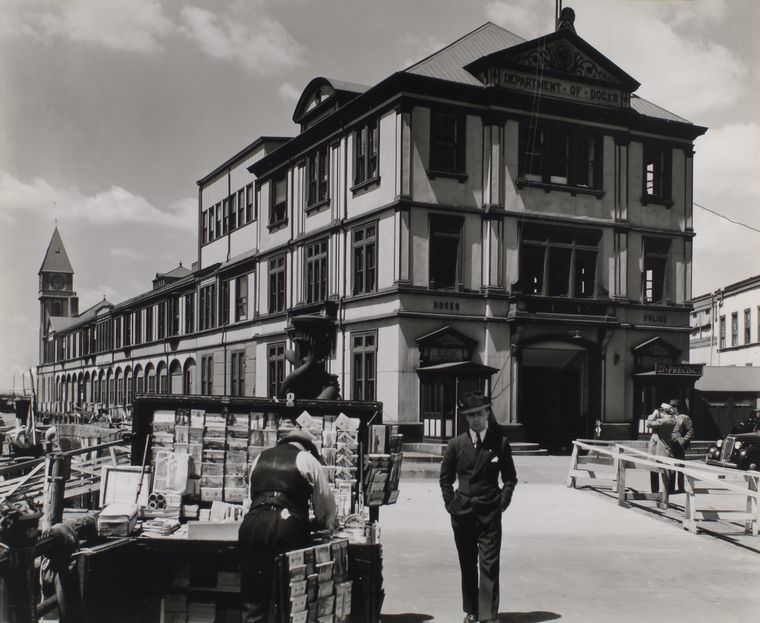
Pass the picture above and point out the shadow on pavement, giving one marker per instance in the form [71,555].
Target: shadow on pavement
[406,617]
[535,616]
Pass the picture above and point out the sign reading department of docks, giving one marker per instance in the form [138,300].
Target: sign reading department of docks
[678,369]
[553,87]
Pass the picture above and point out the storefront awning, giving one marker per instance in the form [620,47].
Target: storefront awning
[729,379]
[459,368]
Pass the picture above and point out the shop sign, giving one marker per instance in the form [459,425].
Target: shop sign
[678,369]
[509,79]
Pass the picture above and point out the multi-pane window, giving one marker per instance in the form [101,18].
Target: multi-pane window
[562,156]
[128,329]
[447,142]
[734,328]
[204,226]
[655,273]
[747,326]
[556,261]
[241,220]
[207,307]
[278,207]
[445,251]
[149,337]
[138,326]
[364,244]
[366,151]
[275,367]
[316,271]
[241,298]
[249,203]
[218,215]
[237,373]
[117,332]
[224,302]
[211,223]
[722,332]
[364,358]
[277,284]
[657,173]
[161,320]
[317,176]
[189,313]
[232,209]
[207,375]
[172,316]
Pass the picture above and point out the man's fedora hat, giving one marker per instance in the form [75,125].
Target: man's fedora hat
[472,402]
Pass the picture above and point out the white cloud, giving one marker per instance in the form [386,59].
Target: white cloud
[257,41]
[115,205]
[288,92]
[690,76]
[126,25]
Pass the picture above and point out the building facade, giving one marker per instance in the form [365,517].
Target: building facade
[725,337]
[504,215]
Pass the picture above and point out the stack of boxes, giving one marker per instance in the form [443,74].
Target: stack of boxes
[319,590]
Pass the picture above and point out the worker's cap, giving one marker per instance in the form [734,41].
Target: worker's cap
[305,439]
[472,402]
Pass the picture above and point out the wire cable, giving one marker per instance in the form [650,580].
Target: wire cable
[723,216]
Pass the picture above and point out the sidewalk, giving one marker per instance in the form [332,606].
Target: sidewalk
[567,554]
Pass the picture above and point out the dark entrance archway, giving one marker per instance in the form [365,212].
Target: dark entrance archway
[555,400]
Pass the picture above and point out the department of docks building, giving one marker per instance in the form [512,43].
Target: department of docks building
[504,214]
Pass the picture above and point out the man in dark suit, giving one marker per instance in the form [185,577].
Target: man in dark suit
[476,459]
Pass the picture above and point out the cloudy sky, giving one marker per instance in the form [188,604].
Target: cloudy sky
[110,112]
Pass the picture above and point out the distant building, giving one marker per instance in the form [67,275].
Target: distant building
[725,337]
[503,215]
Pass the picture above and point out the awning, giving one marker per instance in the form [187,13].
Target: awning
[729,379]
[459,368]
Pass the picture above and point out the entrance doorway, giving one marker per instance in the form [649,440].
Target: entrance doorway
[553,396]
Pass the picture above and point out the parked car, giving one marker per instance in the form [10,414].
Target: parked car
[740,448]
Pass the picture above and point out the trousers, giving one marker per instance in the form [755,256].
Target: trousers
[478,548]
[265,534]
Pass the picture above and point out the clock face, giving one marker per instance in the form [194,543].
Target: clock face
[57,282]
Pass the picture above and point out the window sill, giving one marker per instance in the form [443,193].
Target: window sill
[573,190]
[647,199]
[314,207]
[278,225]
[455,175]
[370,181]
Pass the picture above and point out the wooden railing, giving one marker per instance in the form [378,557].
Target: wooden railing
[606,464]
[85,473]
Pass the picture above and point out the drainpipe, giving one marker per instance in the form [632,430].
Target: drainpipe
[342,313]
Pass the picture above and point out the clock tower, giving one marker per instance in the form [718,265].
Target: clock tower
[56,289]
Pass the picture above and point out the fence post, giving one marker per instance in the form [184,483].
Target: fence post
[689,520]
[753,506]
[573,465]
[621,484]
[615,465]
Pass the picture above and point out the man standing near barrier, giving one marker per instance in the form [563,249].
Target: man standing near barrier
[662,422]
[683,433]
[476,459]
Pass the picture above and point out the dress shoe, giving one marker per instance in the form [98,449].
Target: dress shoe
[470,618]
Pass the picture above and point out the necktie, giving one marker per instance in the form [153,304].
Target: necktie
[477,440]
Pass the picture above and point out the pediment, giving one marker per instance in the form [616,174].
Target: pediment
[559,65]
[446,336]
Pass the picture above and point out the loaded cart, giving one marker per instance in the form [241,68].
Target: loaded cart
[166,542]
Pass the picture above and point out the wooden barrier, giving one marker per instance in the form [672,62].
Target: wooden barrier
[717,483]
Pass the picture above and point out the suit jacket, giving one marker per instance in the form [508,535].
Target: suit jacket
[683,432]
[478,494]
[662,425]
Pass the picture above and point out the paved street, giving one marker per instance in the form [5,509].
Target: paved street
[569,555]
